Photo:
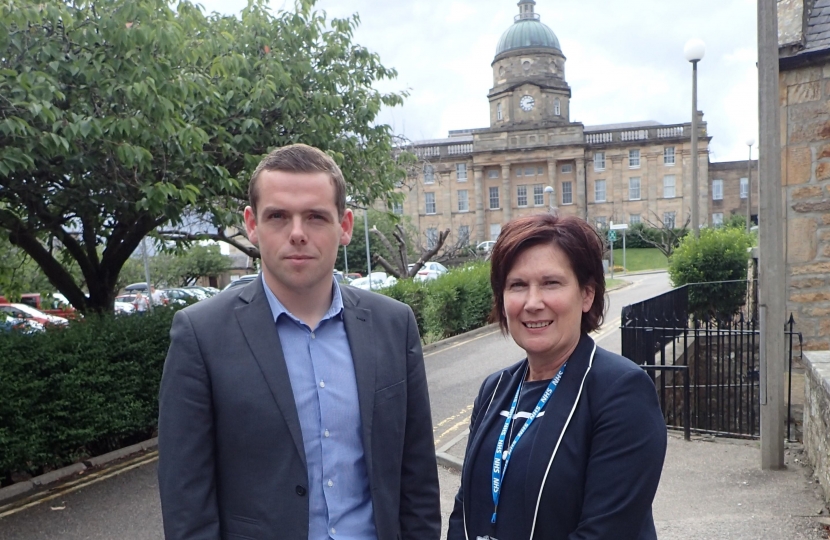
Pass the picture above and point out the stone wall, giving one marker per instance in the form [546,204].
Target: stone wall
[805,98]
[817,415]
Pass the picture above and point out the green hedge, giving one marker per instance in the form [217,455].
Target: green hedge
[68,394]
[81,391]
[455,303]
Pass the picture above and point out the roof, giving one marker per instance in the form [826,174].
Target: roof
[803,29]
[527,34]
[624,125]
[817,34]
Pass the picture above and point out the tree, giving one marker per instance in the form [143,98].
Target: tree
[719,255]
[177,269]
[118,117]
[657,235]
[379,221]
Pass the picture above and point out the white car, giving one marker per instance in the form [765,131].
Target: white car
[24,311]
[379,280]
[429,271]
[486,247]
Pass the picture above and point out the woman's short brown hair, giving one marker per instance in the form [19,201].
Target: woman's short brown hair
[577,239]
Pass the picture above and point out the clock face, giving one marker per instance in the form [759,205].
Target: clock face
[526,103]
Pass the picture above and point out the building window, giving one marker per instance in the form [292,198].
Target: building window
[599,191]
[668,220]
[567,168]
[557,107]
[668,186]
[717,190]
[528,171]
[717,219]
[744,187]
[634,219]
[494,198]
[567,193]
[429,199]
[429,174]
[538,194]
[599,161]
[521,196]
[519,172]
[397,208]
[495,231]
[461,172]
[633,159]
[493,173]
[668,155]
[463,201]
[602,222]
[634,189]
[540,171]
[464,235]
[498,112]
[432,237]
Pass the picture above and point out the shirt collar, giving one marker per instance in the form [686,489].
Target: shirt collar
[277,308]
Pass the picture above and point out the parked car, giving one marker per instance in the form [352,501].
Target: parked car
[209,291]
[429,271]
[486,247]
[341,278]
[123,308]
[182,296]
[378,281]
[25,326]
[137,287]
[243,280]
[22,311]
[353,275]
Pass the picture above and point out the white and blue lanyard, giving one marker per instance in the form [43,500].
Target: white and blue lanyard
[501,459]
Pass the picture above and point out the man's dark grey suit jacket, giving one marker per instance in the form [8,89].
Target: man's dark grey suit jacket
[231,458]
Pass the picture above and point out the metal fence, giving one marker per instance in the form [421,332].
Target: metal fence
[711,331]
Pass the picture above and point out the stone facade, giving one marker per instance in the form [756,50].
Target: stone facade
[805,145]
[476,180]
[817,415]
[728,189]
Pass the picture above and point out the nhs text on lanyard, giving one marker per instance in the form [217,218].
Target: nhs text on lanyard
[501,459]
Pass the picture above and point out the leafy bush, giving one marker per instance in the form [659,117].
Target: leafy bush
[719,255]
[414,294]
[84,390]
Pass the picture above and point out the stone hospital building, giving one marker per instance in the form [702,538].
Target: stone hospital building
[475,180]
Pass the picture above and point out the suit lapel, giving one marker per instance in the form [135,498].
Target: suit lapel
[557,412]
[359,330]
[257,322]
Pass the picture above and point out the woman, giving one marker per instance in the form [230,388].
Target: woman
[568,443]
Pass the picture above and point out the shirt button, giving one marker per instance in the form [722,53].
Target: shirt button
[326,433]
[322,384]
[333,531]
[331,483]
[313,336]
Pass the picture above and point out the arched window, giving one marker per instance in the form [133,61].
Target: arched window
[557,109]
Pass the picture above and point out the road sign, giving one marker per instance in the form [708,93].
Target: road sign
[612,235]
[619,226]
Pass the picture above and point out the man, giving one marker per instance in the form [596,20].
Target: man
[293,408]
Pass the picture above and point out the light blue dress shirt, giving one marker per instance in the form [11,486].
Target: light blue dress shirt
[323,381]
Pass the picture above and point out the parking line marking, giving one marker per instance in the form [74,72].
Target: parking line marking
[462,343]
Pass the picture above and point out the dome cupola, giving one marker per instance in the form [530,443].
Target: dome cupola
[527,32]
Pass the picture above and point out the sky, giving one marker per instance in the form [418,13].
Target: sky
[625,60]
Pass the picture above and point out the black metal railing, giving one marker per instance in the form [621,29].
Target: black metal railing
[671,415]
[711,330]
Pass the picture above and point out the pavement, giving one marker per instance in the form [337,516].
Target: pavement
[711,489]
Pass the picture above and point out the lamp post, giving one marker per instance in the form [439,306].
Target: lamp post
[366,236]
[694,51]
[345,260]
[552,210]
[749,143]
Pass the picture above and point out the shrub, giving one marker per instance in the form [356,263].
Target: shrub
[414,294]
[719,255]
[80,391]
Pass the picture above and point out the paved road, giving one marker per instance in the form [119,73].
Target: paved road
[126,507]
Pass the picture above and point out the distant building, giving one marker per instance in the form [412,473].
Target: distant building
[475,180]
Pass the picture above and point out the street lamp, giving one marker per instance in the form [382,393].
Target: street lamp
[366,237]
[694,51]
[749,142]
[552,210]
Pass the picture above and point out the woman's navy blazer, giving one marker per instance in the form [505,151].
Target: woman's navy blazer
[596,461]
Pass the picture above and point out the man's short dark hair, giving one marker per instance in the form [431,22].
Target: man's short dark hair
[300,158]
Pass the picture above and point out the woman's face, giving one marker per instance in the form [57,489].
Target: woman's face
[544,303]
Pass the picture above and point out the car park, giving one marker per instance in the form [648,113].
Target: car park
[486,247]
[378,281]
[24,326]
[136,287]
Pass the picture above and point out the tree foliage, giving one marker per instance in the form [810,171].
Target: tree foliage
[177,269]
[719,255]
[120,116]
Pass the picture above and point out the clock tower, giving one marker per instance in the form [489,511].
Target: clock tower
[529,89]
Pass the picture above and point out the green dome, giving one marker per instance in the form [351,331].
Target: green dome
[527,34]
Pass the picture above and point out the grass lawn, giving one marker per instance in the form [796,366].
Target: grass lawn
[609,283]
[638,259]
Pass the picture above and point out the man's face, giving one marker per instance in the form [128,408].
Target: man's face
[297,230]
